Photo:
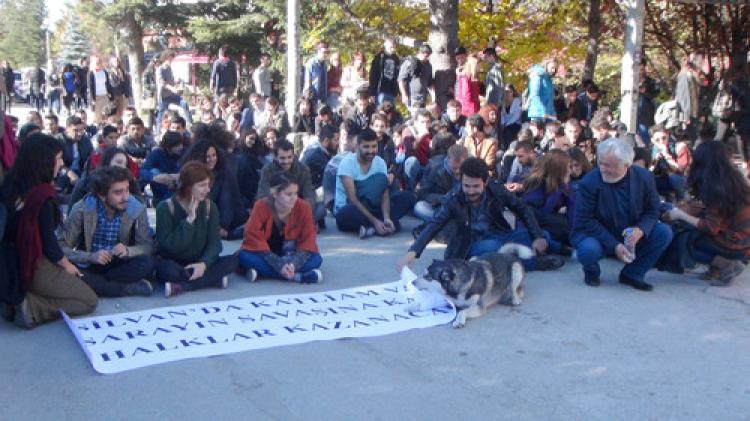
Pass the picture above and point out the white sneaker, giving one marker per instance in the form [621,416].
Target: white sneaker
[251,275]
[224,283]
[365,232]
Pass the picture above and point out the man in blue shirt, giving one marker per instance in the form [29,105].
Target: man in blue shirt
[363,201]
[224,75]
[316,76]
[617,214]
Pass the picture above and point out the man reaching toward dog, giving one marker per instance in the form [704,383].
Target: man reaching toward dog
[477,210]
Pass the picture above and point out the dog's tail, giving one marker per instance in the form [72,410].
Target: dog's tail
[518,250]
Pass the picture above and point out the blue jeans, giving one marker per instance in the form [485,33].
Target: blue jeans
[647,253]
[493,243]
[676,184]
[349,218]
[164,105]
[413,171]
[706,249]
[424,210]
[254,260]
[382,97]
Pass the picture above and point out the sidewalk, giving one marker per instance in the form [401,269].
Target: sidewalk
[569,352]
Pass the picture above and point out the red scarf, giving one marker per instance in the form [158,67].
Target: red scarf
[29,240]
[8,144]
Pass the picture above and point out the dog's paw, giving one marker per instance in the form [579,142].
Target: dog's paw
[460,320]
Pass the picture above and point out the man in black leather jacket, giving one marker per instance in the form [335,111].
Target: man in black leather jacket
[477,210]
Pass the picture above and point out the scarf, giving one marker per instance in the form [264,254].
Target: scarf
[29,240]
[8,144]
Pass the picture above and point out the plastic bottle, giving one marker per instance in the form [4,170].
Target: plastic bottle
[627,233]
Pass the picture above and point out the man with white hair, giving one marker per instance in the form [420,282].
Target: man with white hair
[617,214]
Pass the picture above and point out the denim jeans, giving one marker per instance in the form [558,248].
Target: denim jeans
[164,105]
[520,236]
[382,97]
[413,171]
[706,250]
[647,253]
[676,184]
[349,218]
[424,211]
[254,260]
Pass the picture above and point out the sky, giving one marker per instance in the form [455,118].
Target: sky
[56,9]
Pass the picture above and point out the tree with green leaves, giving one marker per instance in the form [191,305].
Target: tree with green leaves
[21,35]
[75,44]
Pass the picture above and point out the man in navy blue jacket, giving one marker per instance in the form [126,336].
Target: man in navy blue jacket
[617,214]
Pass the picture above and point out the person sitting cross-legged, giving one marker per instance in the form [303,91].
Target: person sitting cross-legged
[107,236]
[477,209]
[187,235]
[284,160]
[617,214]
[279,238]
[439,182]
[364,202]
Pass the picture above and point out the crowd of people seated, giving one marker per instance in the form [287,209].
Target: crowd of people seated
[558,175]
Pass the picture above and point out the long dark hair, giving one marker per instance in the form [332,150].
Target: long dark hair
[258,149]
[34,164]
[198,151]
[716,182]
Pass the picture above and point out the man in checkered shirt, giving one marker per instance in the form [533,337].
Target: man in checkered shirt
[107,236]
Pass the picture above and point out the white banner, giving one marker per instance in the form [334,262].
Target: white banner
[120,342]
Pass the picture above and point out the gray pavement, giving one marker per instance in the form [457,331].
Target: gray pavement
[569,352]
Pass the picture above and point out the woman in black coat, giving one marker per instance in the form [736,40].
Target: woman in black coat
[225,191]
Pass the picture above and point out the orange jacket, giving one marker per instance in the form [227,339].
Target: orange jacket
[300,227]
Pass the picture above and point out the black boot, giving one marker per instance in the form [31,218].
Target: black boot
[639,285]
[549,262]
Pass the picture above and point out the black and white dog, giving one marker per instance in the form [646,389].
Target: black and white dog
[477,284]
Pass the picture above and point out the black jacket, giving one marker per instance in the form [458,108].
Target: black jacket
[84,153]
[316,158]
[490,213]
[248,176]
[226,194]
[437,184]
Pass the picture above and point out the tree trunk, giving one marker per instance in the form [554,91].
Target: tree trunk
[133,40]
[739,25]
[443,40]
[592,52]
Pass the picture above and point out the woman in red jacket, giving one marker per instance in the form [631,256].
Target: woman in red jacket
[279,239]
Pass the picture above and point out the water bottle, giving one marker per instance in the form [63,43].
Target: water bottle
[627,233]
